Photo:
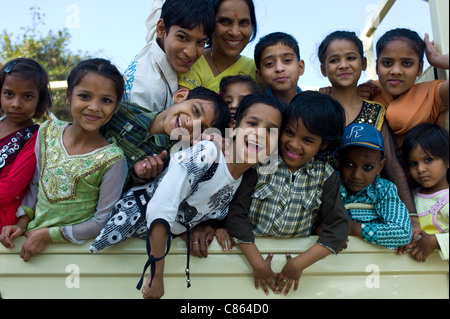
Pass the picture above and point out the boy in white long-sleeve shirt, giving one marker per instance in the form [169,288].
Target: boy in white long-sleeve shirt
[182,32]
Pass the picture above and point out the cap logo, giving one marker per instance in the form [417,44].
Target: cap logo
[355,132]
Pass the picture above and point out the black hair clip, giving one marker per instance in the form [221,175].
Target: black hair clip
[10,67]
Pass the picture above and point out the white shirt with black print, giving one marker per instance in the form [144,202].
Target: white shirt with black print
[197,187]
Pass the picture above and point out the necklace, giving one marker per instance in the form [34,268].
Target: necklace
[214,61]
[215,64]
[15,144]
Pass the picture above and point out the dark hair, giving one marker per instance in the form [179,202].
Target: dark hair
[222,111]
[189,14]
[274,39]
[321,114]
[100,66]
[414,40]
[251,6]
[249,100]
[339,35]
[29,69]
[245,79]
[432,138]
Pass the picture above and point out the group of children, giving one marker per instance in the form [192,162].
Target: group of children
[344,160]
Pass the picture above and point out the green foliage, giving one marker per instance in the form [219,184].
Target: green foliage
[51,50]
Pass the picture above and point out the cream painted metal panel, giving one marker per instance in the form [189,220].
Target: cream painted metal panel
[58,85]
[439,10]
[114,273]
[427,75]
[367,37]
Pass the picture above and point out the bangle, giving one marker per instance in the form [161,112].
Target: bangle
[62,233]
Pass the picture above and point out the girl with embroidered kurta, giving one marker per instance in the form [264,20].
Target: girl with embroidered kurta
[79,175]
[426,153]
[25,95]
[342,60]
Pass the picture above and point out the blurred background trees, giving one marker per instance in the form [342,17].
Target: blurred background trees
[51,50]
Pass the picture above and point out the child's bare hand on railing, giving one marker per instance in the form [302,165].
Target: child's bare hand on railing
[224,239]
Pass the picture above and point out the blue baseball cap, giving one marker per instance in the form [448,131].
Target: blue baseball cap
[363,135]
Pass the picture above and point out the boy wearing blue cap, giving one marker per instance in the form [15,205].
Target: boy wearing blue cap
[377,214]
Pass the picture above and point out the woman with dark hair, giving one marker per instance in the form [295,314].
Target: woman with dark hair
[235,27]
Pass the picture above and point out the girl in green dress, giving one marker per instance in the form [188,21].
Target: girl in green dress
[79,173]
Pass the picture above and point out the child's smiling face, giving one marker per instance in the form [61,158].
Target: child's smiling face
[398,67]
[257,133]
[343,63]
[93,101]
[298,146]
[188,113]
[183,47]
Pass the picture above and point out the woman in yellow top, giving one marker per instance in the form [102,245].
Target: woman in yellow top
[235,28]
